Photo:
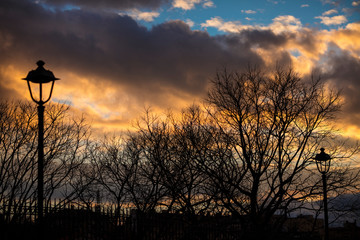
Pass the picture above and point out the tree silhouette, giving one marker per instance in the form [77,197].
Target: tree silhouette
[272,124]
[65,140]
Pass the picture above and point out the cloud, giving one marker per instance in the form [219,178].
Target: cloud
[107,62]
[190,22]
[111,67]
[145,16]
[109,4]
[355,3]
[286,23]
[208,4]
[190,4]
[185,4]
[248,11]
[280,24]
[343,70]
[273,2]
[330,12]
[348,39]
[340,65]
[220,24]
[332,2]
[10,84]
[335,20]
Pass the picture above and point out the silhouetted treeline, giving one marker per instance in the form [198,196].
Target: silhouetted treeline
[248,151]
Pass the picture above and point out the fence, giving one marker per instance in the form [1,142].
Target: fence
[27,211]
[64,221]
[106,222]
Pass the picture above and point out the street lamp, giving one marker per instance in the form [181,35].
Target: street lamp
[36,80]
[323,162]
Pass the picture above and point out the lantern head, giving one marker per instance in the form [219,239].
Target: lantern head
[323,161]
[40,77]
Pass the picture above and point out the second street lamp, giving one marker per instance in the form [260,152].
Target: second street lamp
[323,162]
[38,80]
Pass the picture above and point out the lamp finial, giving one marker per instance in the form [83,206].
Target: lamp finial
[40,63]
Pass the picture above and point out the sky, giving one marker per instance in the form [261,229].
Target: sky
[117,57]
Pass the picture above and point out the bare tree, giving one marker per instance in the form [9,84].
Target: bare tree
[272,124]
[186,183]
[64,141]
[149,148]
[66,149]
[112,167]
[167,150]
[85,187]
[18,151]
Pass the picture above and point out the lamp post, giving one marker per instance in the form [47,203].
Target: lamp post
[323,162]
[39,78]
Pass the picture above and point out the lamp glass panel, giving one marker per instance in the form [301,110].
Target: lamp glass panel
[46,90]
[323,166]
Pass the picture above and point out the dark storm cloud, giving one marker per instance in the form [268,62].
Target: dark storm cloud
[264,38]
[103,46]
[307,39]
[267,39]
[344,73]
[110,4]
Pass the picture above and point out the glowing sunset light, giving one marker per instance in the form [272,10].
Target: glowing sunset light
[117,58]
